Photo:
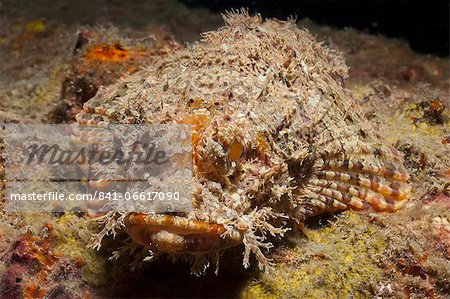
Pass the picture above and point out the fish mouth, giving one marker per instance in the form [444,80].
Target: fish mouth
[178,234]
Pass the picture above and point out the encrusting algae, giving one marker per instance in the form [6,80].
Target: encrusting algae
[337,261]
[277,139]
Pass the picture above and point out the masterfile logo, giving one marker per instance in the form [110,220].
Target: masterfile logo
[142,168]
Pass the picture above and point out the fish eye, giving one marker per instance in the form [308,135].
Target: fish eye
[237,151]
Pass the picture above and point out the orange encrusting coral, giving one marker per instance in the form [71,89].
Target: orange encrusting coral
[38,248]
[34,291]
[112,53]
[40,268]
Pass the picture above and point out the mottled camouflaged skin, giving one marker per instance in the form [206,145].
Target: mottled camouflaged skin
[276,139]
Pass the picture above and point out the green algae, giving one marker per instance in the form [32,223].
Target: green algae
[341,260]
[72,236]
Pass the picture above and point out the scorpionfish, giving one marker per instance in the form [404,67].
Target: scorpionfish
[276,139]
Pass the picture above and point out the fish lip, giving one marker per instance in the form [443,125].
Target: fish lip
[179,234]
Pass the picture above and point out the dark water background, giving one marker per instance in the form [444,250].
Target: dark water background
[424,24]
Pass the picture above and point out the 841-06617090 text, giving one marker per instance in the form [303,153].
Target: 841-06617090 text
[97,195]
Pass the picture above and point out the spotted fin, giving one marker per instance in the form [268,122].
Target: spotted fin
[354,167]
